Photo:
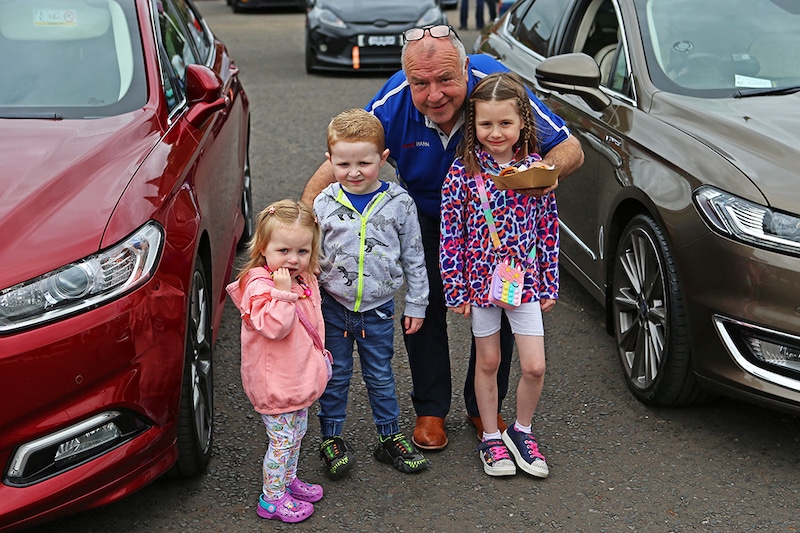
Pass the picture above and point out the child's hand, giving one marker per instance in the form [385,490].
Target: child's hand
[411,324]
[547,304]
[282,279]
[461,310]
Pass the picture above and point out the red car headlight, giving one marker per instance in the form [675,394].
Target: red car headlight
[84,284]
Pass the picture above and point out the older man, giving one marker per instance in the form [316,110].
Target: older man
[422,110]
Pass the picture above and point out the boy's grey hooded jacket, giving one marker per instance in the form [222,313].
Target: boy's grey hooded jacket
[365,257]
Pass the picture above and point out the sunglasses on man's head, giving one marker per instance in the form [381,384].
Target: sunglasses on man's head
[438,31]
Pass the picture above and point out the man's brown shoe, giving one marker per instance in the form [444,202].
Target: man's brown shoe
[476,422]
[429,433]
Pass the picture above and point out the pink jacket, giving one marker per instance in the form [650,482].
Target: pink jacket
[282,370]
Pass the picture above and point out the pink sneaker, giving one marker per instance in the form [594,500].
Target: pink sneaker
[307,492]
[285,509]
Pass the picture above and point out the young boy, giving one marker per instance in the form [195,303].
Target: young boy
[371,242]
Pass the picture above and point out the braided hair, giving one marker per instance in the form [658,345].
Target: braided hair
[494,88]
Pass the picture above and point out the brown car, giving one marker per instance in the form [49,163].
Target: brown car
[684,220]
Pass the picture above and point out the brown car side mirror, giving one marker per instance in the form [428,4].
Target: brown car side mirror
[576,74]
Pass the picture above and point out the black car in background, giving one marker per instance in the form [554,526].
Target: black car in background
[355,35]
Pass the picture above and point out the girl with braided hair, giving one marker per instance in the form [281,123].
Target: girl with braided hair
[482,228]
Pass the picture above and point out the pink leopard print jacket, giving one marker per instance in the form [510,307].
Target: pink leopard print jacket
[466,253]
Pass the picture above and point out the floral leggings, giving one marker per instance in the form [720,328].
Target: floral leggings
[285,432]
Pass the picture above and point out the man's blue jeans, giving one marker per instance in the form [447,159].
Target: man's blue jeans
[373,333]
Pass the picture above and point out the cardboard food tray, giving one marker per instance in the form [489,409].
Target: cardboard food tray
[533,178]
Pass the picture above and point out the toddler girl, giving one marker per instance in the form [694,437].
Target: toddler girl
[284,369]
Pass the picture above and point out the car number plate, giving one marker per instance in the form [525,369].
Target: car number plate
[378,40]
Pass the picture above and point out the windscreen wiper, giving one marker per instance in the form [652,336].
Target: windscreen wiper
[31,116]
[766,91]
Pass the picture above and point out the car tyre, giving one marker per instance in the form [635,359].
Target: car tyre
[247,202]
[649,318]
[195,417]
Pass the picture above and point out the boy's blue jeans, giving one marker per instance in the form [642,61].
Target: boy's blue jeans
[373,333]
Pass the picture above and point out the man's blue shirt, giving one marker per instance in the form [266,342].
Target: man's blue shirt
[418,152]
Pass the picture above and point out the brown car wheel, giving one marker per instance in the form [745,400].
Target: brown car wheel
[649,318]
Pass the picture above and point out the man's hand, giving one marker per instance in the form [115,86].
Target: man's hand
[566,156]
[321,179]
[411,324]
[538,191]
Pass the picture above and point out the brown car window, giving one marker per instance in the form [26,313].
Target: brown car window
[535,28]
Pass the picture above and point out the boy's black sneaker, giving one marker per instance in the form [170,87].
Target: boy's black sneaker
[337,456]
[398,451]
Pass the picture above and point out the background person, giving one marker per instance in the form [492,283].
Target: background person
[464,12]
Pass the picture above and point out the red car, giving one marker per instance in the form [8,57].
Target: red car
[124,193]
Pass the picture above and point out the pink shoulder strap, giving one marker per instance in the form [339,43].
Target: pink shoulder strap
[312,331]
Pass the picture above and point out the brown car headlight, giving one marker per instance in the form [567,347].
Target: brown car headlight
[84,284]
[748,222]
